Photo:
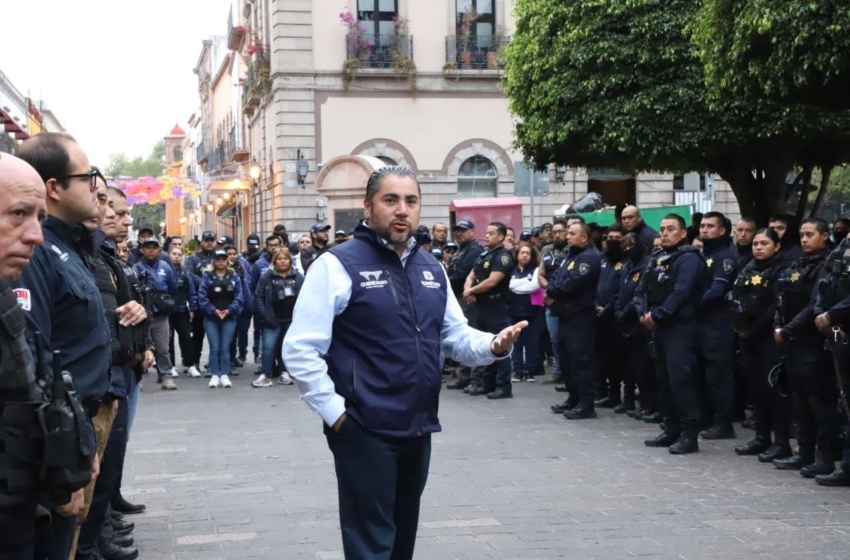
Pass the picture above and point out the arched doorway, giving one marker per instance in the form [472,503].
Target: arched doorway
[343,181]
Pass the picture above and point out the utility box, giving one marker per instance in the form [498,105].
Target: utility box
[482,211]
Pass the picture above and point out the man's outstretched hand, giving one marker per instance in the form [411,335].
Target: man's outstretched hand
[505,339]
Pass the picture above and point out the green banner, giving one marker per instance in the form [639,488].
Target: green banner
[652,216]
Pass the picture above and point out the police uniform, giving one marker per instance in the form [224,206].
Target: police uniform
[550,259]
[716,337]
[459,267]
[195,265]
[755,297]
[638,365]
[574,291]
[492,313]
[609,362]
[220,292]
[671,294]
[809,368]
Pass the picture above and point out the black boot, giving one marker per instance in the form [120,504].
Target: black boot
[838,477]
[121,526]
[653,418]
[121,505]
[779,450]
[605,402]
[806,456]
[583,411]
[719,431]
[823,464]
[499,394]
[459,384]
[561,408]
[477,391]
[687,443]
[661,440]
[625,407]
[110,551]
[759,445]
[562,389]
[124,541]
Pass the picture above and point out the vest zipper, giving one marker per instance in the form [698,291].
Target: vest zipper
[418,333]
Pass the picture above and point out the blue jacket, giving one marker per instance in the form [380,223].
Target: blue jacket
[245,274]
[159,276]
[264,294]
[575,282]
[196,264]
[59,292]
[208,308]
[186,299]
[720,257]
[608,287]
[259,268]
[384,358]
[624,308]
[691,278]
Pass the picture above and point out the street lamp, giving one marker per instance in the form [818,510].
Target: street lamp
[560,173]
[210,207]
[219,201]
[226,196]
[182,219]
[301,168]
[255,173]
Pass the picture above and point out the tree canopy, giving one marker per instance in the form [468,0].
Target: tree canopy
[620,84]
[153,165]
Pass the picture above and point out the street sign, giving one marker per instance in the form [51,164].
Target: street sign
[524,175]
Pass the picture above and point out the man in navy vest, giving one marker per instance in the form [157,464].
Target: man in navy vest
[364,348]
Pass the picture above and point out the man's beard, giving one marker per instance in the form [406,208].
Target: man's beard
[394,238]
[559,244]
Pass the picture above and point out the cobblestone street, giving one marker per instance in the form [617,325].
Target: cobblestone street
[246,473]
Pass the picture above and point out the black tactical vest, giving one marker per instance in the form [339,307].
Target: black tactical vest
[182,297]
[283,296]
[796,285]
[482,269]
[659,280]
[104,279]
[131,340]
[221,291]
[552,260]
[752,296]
[836,287]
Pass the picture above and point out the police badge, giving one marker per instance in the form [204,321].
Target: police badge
[728,265]
[506,260]
[583,268]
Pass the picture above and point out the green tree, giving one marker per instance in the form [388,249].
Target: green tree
[619,83]
[150,215]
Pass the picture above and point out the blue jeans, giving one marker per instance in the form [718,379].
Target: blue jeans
[132,405]
[239,344]
[552,327]
[527,356]
[220,334]
[272,347]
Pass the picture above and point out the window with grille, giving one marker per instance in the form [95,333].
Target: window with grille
[477,178]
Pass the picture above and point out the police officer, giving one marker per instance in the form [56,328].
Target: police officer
[460,266]
[196,265]
[638,365]
[318,244]
[60,294]
[745,230]
[607,344]
[667,305]
[574,293]
[487,288]
[755,297]
[550,259]
[717,339]
[808,363]
[22,193]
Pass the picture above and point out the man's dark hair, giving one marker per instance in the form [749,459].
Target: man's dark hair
[845,221]
[679,220]
[699,216]
[747,219]
[501,228]
[616,228]
[439,224]
[721,219]
[770,233]
[47,153]
[820,225]
[274,237]
[511,229]
[577,217]
[560,221]
[585,228]
[377,176]
[117,192]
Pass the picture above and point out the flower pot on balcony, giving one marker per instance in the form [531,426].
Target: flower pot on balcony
[466,59]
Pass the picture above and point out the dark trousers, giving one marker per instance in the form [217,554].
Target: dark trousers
[527,357]
[258,336]
[239,345]
[104,489]
[20,554]
[677,347]
[639,369]
[198,333]
[717,354]
[771,411]
[380,482]
[609,370]
[471,314]
[576,355]
[814,394]
[56,540]
[181,325]
[493,319]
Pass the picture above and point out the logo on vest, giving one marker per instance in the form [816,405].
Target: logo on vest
[373,279]
[24,299]
[429,280]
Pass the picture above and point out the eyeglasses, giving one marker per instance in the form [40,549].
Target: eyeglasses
[92,176]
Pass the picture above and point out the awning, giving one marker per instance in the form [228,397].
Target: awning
[226,211]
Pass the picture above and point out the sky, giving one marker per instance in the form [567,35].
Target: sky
[117,74]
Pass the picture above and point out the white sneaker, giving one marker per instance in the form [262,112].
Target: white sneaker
[174,372]
[225,382]
[214,382]
[193,371]
[262,381]
[286,379]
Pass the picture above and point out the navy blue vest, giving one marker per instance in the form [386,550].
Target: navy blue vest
[384,357]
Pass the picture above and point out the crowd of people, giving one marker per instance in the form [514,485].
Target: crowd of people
[686,328]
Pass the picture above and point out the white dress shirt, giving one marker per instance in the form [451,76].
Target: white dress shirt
[324,295]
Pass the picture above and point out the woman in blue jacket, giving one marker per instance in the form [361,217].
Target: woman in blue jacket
[274,301]
[221,300]
[180,320]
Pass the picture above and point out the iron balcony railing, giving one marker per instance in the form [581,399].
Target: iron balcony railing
[379,51]
[479,53]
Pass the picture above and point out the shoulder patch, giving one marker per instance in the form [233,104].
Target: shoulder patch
[728,265]
[506,260]
[583,268]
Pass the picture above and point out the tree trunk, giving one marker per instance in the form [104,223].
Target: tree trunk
[806,175]
[826,172]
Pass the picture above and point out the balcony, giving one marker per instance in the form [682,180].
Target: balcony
[380,51]
[475,53]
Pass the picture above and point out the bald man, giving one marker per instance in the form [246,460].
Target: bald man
[633,223]
[22,207]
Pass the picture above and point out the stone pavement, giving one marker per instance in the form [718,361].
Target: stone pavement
[246,473]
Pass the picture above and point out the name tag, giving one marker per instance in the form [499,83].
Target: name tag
[287,291]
